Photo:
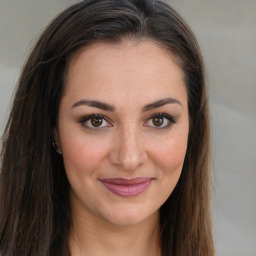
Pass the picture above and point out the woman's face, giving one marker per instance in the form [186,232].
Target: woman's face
[123,129]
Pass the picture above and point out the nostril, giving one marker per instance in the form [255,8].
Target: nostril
[128,150]
[128,160]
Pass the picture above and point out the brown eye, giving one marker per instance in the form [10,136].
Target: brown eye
[158,121]
[96,121]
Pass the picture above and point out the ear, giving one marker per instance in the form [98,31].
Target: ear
[56,141]
[55,136]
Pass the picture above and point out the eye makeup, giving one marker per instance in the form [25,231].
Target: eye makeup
[159,121]
[95,122]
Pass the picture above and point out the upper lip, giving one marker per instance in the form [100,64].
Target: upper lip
[126,182]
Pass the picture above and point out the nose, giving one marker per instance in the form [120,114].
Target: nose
[128,150]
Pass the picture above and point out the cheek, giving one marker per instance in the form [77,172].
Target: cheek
[82,155]
[169,156]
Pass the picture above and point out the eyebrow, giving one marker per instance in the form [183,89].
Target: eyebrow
[107,107]
[160,103]
[95,104]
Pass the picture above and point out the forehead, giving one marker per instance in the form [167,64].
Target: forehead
[125,51]
[129,68]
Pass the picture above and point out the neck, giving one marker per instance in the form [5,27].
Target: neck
[91,237]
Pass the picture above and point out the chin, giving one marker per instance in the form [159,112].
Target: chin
[130,217]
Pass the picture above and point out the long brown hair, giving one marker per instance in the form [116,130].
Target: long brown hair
[34,203]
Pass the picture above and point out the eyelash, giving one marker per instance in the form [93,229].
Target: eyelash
[170,119]
[85,119]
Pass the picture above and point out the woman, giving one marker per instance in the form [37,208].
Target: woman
[106,149]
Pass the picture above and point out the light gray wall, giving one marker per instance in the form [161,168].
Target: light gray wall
[226,32]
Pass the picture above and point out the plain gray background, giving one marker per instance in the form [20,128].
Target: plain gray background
[226,32]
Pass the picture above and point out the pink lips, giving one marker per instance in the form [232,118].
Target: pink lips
[127,187]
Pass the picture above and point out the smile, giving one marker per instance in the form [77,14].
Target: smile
[127,187]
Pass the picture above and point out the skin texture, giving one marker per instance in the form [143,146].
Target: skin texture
[128,76]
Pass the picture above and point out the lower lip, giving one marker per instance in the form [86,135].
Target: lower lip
[127,190]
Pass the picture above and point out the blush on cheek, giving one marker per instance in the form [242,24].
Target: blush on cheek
[82,157]
[170,155]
